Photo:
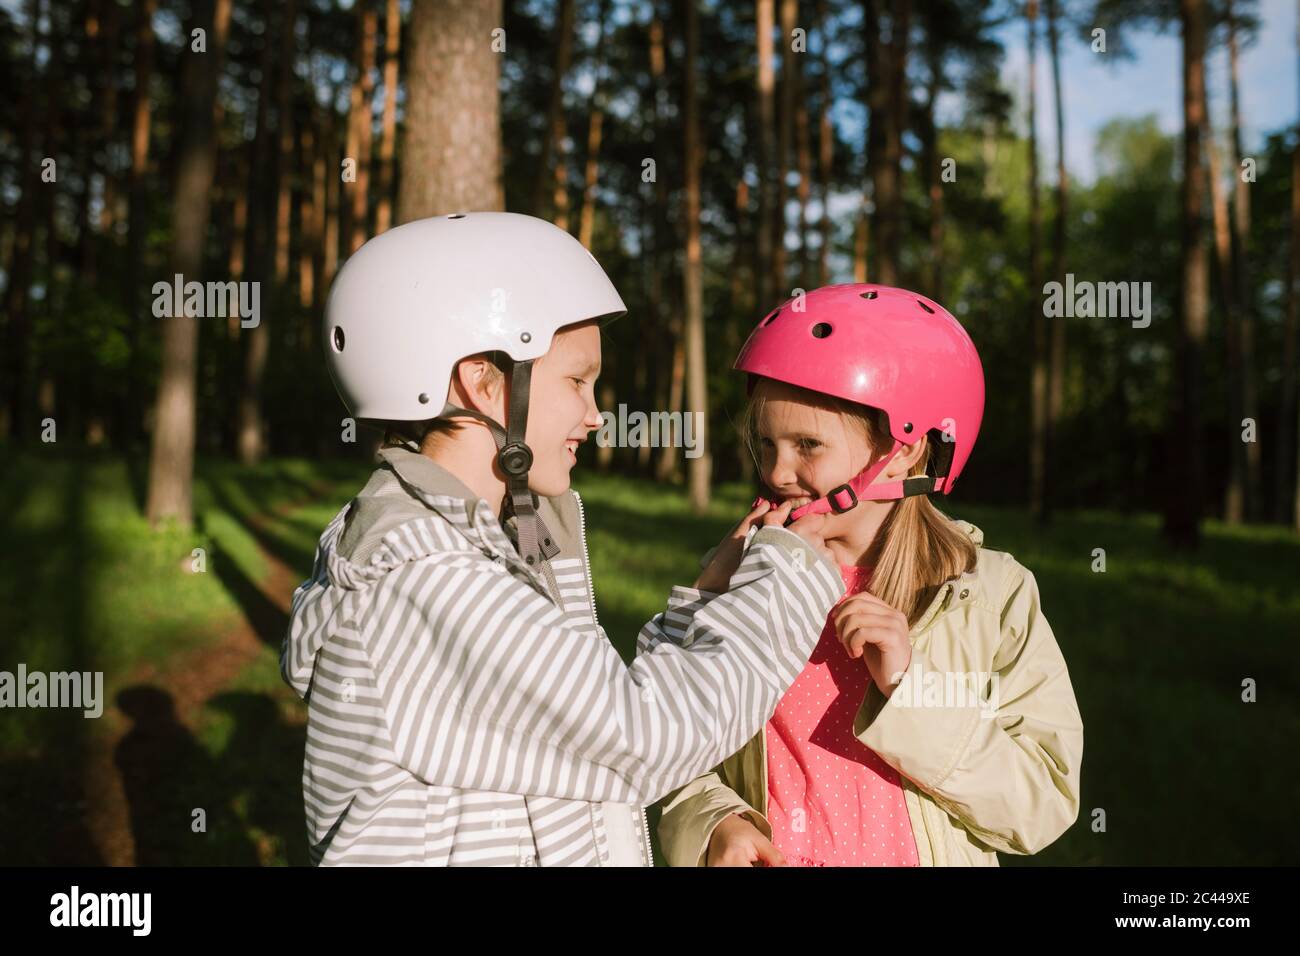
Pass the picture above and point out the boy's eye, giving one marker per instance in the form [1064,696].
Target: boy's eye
[580,382]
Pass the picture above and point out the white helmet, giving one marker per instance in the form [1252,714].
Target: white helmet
[415,300]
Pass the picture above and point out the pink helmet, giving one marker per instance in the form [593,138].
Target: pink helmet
[888,348]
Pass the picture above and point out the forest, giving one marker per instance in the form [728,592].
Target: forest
[1130,276]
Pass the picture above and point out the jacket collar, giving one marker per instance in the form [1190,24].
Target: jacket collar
[957,589]
[453,499]
[422,472]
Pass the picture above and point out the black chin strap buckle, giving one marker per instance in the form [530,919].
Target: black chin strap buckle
[515,459]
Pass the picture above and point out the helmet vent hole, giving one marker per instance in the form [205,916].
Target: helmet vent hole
[924,306]
[457,215]
[821,330]
[338,339]
[869,295]
[768,320]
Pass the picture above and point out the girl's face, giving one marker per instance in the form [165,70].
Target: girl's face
[806,450]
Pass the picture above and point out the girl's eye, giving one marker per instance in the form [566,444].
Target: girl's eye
[809,443]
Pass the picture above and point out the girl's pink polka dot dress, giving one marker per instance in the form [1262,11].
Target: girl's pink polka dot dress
[831,800]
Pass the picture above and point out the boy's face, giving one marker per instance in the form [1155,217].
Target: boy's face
[562,405]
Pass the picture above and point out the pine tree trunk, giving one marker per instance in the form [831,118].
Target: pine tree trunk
[825,148]
[1234,491]
[699,468]
[388,138]
[587,220]
[360,125]
[1246,389]
[451,148]
[768,211]
[18,274]
[171,462]
[1038,503]
[553,140]
[1056,331]
[1186,456]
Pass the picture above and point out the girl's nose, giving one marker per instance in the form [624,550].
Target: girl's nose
[782,473]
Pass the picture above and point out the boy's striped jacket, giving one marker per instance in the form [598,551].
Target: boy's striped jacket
[464,709]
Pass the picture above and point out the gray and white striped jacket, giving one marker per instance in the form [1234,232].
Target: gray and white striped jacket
[464,709]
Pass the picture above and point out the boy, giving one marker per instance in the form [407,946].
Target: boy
[465,707]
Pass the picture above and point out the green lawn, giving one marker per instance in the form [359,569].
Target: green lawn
[1158,646]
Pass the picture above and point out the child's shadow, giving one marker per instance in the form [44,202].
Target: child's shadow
[180,800]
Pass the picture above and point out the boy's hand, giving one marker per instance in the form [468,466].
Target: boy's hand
[878,633]
[737,842]
[717,576]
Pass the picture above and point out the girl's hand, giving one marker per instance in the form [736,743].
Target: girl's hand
[737,842]
[878,633]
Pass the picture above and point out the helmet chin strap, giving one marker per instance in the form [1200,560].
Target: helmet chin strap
[860,488]
[536,543]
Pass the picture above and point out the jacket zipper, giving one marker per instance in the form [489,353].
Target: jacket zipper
[591,597]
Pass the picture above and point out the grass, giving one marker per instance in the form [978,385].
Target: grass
[1176,765]
[89,586]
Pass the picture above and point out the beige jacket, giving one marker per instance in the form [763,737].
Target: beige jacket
[996,770]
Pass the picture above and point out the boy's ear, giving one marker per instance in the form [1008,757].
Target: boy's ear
[472,383]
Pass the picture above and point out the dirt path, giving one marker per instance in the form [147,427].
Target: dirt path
[191,678]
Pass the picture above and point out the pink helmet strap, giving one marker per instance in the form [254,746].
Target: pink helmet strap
[860,488]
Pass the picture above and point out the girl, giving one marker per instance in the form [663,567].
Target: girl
[935,722]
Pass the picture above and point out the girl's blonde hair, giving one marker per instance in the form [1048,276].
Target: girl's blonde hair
[919,547]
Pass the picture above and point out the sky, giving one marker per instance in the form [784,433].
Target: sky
[1099,87]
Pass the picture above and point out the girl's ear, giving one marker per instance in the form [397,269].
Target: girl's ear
[906,457]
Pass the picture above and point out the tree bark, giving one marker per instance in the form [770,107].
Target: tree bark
[553,140]
[768,206]
[587,220]
[252,428]
[825,148]
[1234,491]
[1183,504]
[451,150]
[1056,329]
[1038,492]
[1248,452]
[171,461]
[360,125]
[388,138]
[699,468]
